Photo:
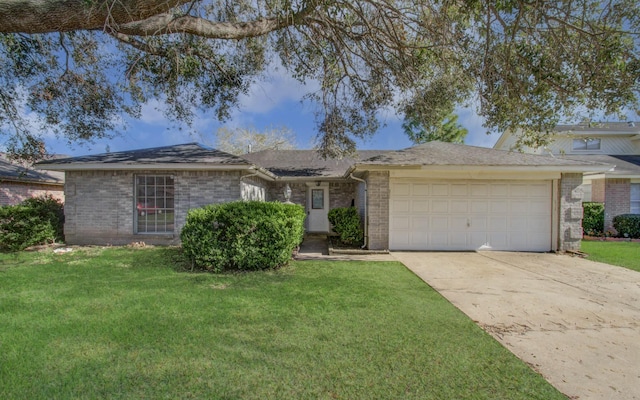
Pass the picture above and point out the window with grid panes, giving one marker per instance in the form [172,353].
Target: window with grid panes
[154,203]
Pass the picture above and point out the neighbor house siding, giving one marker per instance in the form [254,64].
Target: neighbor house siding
[378,209]
[100,205]
[12,193]
[570,218]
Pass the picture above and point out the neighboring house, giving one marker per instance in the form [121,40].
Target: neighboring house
[434,196]
[615,143]
[19,182]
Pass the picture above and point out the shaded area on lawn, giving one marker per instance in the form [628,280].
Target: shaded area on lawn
[125,323]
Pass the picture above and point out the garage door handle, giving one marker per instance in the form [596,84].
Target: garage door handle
[468,223]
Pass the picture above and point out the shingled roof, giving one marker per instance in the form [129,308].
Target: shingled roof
[306,163]
[183,154]
[15,172]
[624,164]
[451,154]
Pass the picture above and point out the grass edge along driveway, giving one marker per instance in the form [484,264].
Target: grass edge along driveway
[622,254]
[125,323]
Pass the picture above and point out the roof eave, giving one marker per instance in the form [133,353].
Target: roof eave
[143,166]
[523,168]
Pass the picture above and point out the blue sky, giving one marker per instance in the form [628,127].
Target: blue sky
[272,102]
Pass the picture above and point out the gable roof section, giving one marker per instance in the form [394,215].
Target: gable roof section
[181,156]
[15,172]
[306,163]
[449,155]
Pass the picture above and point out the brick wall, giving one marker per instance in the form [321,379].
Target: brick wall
[342,194]
[378,209]
[100,205]
[12,193]
[570,220]
[617,200]
[597,190]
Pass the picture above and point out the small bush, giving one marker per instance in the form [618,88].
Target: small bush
[593,218]
[627,225]
[35,221]
[245,236]
[346,223]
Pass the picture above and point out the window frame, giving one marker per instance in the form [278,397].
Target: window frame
[634,198]
[157,205]
[577,144]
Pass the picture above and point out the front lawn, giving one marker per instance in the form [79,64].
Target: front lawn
[124,323]
[624,254]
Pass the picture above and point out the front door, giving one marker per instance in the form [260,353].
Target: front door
[318,207]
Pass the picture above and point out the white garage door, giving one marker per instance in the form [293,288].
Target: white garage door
[470,215]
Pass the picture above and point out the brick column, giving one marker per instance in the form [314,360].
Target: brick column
[378,209]
[570,233]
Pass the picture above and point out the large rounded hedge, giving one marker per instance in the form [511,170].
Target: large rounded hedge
[245,236]
[35,221]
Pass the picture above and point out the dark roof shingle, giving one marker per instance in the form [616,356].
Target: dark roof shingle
[306,163]
[451,154]
[177,154]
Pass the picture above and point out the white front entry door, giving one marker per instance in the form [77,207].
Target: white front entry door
[318,207]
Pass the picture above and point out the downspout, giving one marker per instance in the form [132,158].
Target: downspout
[366,217]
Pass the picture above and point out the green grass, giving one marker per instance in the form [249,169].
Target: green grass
[124,323]
[624,254]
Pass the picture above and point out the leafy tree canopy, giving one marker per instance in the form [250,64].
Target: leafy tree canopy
[448,131]
[244,140]
[81,65]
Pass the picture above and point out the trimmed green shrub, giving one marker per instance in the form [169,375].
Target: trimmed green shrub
[242,236]
[627,225]
[593,218]
[35,221]
[346,223]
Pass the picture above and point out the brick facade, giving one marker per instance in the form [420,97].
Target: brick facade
[100,205]
[12,193]
[570,219]
[617,200]
[378,209]
[597,190]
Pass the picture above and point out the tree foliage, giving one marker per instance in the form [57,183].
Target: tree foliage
[448,131]
[80,66]
[244,140]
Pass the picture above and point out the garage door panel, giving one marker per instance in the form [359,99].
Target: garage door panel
[400,206]
[460,206]
[440,189]
[400,223]
[440,206]
[518,207]
[401,189]
[538,207]
[468,215]
[420,189]
[498,206]
[420,206]
[479,206]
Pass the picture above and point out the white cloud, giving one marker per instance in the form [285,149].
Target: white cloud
[273,90]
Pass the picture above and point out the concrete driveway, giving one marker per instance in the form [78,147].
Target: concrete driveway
[575,321]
